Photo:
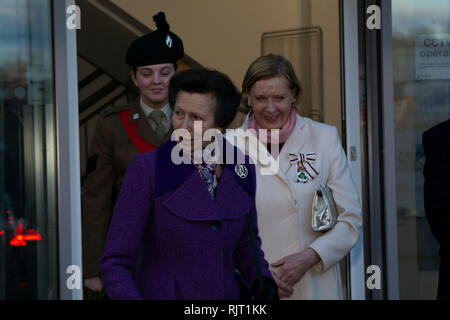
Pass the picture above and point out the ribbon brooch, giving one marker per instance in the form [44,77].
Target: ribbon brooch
[305,169]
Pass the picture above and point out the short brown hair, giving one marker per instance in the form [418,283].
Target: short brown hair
[268,66]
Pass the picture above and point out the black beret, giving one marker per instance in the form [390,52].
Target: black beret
[159,46]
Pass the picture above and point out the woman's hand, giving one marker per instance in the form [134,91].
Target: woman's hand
[284,291]
[293,267]
[95,284]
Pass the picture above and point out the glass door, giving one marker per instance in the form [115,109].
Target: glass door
[421,69]
[28,224]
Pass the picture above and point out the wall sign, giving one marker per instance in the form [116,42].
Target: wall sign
[432,56]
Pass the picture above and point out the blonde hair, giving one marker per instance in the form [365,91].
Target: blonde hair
[268,66]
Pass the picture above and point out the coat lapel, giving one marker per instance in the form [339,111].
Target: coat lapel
[235,193]
[191,199]
[232,200]
[144,129]
[293,144]
[257,151]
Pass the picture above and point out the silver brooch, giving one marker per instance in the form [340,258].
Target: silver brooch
[241,171]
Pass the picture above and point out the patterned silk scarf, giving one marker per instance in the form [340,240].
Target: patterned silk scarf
[209,176]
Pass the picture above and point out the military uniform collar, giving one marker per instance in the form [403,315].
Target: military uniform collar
[146,109]
[144,129]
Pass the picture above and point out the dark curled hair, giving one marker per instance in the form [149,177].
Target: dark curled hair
[204,81]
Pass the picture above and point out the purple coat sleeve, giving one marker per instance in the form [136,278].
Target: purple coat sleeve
[126,232]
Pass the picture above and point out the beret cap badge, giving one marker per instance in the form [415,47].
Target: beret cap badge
[169,41]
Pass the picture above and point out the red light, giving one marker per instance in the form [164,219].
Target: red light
[21,240]
[31,237]
[2,232]
[16,242]
[8,212]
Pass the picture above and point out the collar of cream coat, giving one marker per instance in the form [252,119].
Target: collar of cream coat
[266,162]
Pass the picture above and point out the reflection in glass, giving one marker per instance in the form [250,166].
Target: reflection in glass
[28,243]
[421,90]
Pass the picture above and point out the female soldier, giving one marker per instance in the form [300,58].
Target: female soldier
[121,133]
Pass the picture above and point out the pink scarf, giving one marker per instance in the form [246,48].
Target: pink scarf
[285,131]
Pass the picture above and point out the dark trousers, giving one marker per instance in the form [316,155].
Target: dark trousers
[444,278]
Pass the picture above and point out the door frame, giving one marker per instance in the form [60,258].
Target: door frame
[381,246]
[68,154]
[351,133]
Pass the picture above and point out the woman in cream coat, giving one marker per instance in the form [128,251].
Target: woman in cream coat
[304,263]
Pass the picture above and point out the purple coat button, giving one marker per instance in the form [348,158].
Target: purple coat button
[216,225]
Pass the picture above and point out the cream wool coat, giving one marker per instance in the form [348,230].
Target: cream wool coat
[284,206]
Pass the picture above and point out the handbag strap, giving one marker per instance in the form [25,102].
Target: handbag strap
[255,252]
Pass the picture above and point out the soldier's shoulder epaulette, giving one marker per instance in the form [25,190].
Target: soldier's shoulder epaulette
[114,109]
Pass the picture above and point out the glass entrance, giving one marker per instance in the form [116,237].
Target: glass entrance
[421,63]
[28,225]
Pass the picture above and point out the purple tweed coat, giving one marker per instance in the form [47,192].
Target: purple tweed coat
[188,245]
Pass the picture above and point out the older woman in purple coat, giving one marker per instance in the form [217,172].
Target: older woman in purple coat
[191,224]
